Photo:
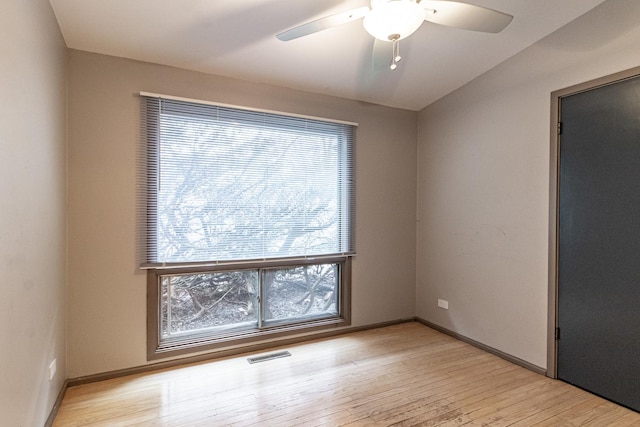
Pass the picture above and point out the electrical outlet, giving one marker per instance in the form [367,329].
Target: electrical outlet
[52,369]
[443,304]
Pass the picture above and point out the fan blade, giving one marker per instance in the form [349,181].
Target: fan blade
[465,16]
[322,24]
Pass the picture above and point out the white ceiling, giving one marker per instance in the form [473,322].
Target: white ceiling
[236,38]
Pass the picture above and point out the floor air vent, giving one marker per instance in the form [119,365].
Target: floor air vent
[269,356]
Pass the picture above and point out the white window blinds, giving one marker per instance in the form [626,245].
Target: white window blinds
[227,184]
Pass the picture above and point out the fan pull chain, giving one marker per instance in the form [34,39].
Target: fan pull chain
[396,50]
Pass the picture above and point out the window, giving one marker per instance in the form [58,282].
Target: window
[248,223]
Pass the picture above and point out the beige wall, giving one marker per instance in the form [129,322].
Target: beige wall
[483,168]
[107,311]
[32,211]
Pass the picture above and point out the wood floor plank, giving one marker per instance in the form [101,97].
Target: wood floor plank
[400,375]
[557,405]
[581,414]
[455,405]
[436,401]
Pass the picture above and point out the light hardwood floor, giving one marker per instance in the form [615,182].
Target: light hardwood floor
[405,374]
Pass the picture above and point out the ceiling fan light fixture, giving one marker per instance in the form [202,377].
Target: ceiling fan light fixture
[393,19]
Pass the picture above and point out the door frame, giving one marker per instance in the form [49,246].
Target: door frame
[554,181]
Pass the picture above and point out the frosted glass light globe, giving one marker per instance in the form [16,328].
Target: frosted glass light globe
[393,19]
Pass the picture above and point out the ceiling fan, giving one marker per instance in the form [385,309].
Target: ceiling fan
[394,20]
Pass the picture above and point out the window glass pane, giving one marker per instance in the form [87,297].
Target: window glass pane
[301,292]
[221,301]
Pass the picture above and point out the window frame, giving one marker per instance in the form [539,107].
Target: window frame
[199,342]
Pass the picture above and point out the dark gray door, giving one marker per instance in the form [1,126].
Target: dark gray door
[599,242]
